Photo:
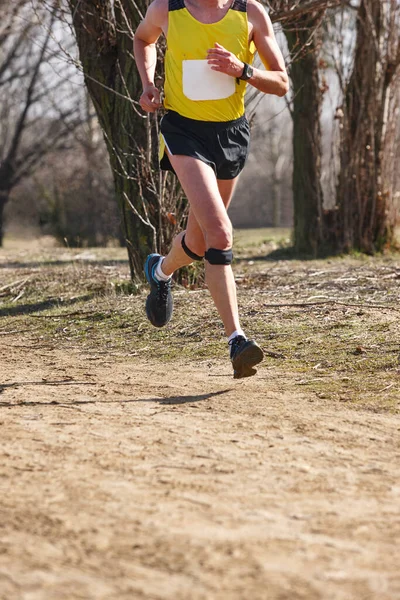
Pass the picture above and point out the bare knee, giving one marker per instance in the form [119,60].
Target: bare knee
[220,236]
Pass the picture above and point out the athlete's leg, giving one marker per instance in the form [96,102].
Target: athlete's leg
[200,185]
[209,227]
[194,237]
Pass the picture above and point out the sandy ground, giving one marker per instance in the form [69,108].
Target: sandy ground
[120,481]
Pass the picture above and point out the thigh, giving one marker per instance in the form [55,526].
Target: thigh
[226,189]
[200,185]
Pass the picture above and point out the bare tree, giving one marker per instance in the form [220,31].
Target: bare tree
[73,192]
[31,124]
[369,117]
[152,205]
[365,211]
[303,36]
[301,21]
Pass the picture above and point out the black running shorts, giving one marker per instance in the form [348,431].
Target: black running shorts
[222,145]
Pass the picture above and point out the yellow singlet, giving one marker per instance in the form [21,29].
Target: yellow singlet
[191,88]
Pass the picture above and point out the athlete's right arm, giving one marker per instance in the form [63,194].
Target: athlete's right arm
[144,45]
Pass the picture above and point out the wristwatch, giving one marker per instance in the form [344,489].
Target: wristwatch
[247,72]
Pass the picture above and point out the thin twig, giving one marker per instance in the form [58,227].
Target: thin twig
[305,304]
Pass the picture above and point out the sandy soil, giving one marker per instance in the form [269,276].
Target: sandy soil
[120,481]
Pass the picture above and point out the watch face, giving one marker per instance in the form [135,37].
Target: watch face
[247,72]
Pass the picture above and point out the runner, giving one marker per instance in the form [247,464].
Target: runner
[205,138]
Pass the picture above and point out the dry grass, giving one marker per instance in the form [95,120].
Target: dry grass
[328,326]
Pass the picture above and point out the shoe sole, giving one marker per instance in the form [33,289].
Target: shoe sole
[150,318]
[243,365]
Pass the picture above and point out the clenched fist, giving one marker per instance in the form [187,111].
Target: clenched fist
[224,61]
[150,100]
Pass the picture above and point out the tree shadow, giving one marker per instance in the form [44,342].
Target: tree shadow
[288,253]
[172,400]
[26,309]
[59,263]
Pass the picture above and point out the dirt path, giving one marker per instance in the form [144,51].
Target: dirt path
[117,485]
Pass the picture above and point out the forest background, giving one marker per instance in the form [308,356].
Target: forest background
[323,160]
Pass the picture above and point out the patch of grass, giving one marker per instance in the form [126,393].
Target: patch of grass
[251,243]
[328,327]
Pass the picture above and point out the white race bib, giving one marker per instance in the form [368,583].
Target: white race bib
[200,82]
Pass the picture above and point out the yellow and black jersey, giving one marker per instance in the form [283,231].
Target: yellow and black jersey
[192,88]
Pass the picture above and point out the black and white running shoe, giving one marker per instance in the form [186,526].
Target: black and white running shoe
[159,303]
[245,354]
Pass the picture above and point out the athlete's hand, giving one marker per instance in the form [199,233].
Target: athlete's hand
[150,100]
[224,61]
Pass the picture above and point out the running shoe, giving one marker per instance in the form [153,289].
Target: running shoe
[245,354]
[159,303]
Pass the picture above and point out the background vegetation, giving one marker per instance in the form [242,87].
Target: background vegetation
[327,327]
[78,158]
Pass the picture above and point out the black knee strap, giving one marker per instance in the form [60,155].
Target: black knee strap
[219,257]
[189,252]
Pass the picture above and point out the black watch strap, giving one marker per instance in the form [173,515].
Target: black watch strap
[247,72]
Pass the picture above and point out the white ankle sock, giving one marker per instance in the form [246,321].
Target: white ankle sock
[158,274]
[236,333]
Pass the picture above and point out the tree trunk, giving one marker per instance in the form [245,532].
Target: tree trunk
[4,196]
[366,217]
[105,40]
[309,235]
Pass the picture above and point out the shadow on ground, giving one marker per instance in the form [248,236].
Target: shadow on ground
[172,400]
[26,309]
[283,254]
[61,263]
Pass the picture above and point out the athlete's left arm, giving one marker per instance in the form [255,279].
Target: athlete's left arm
[273,81]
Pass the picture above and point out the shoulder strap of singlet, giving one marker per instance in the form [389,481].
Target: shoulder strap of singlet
[175,5]
[240,5]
